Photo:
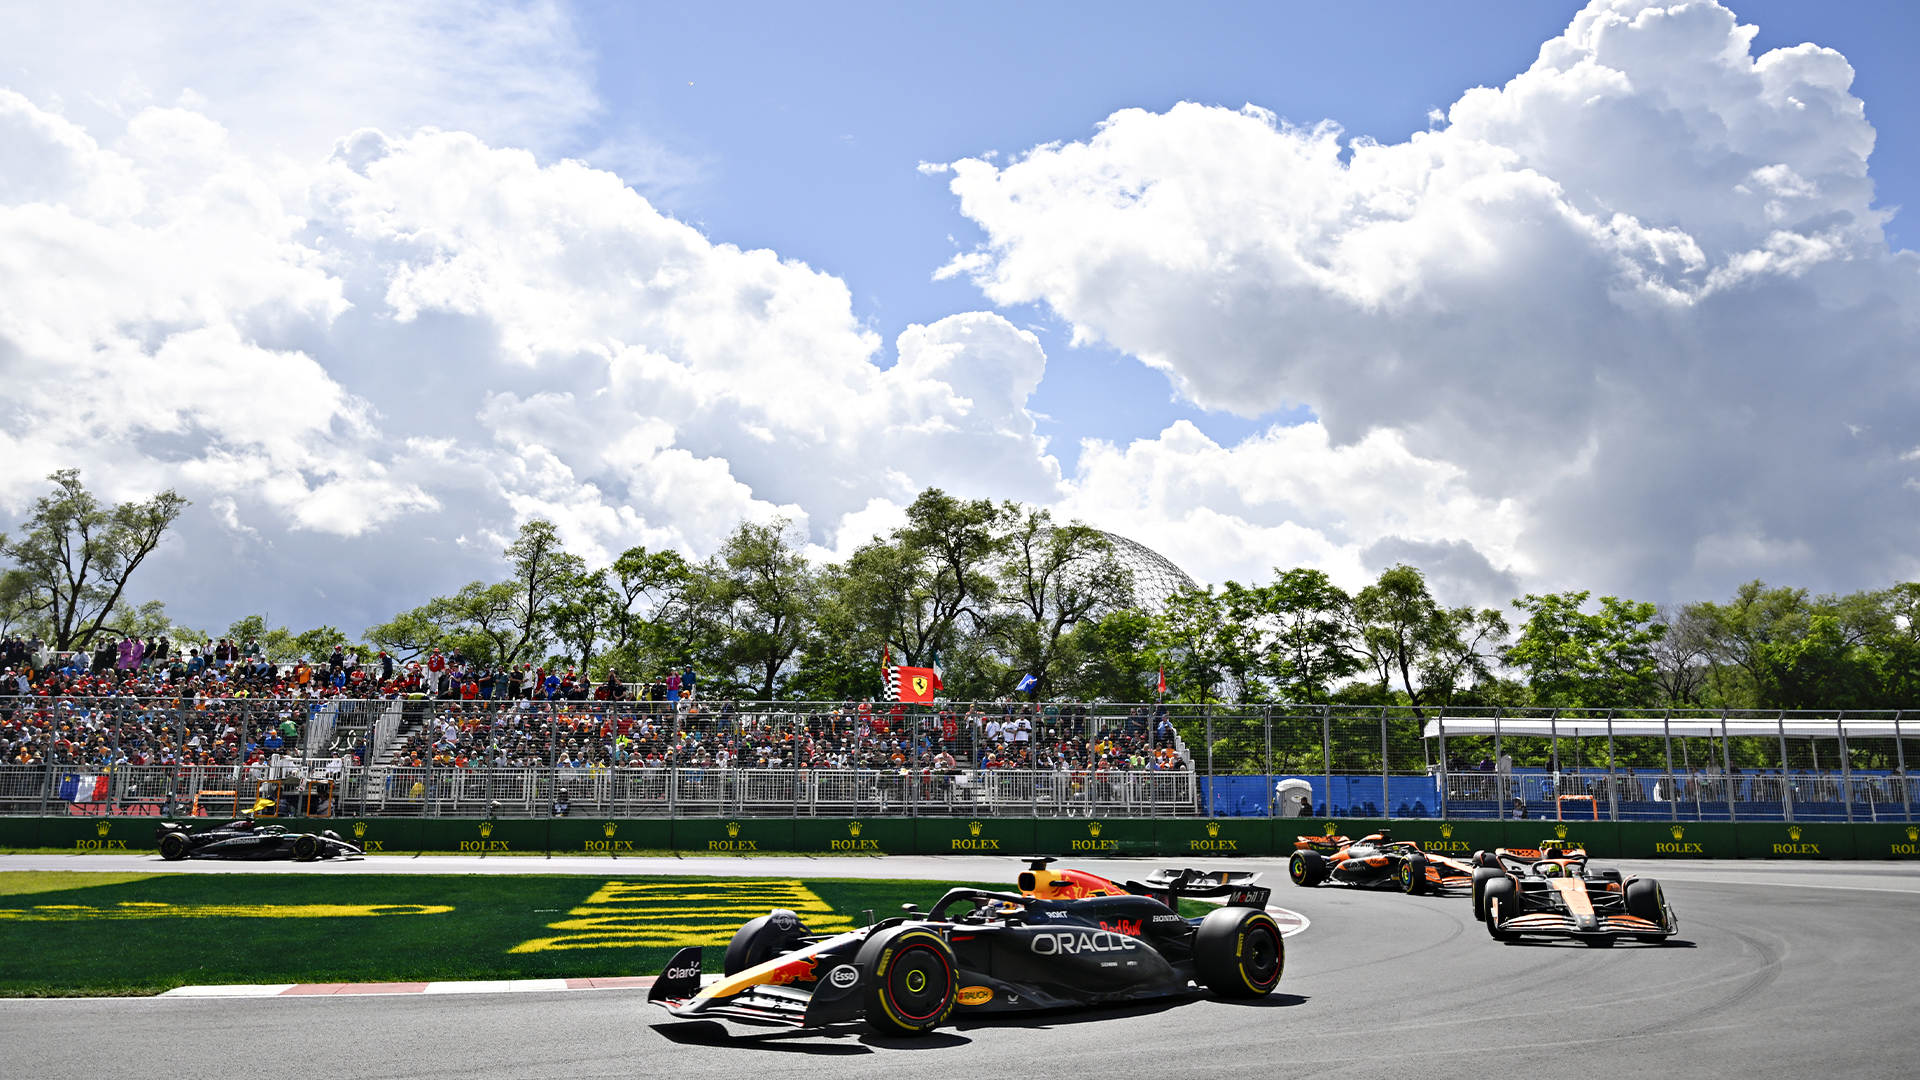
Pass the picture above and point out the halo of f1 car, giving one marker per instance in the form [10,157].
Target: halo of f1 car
[248,839]
[1067,938]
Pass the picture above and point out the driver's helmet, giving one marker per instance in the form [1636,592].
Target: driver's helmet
[1551,869]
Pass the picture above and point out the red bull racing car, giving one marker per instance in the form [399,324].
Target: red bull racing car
[1377,861]
[1554,892]
[1067,938]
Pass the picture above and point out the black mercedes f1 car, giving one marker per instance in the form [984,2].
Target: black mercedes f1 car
[1548,891]
[247,839]
[1067,939]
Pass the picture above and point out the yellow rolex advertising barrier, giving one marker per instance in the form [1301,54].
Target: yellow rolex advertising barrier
[1189,839]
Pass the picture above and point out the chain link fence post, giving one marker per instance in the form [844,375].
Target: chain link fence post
[1846,764]
[1786,778]
[1900,759]
[1673,798]
[1326,752]
[1502,771]
[1386,803]
[1726,757]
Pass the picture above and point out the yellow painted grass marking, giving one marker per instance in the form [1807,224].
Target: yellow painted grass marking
[621,915]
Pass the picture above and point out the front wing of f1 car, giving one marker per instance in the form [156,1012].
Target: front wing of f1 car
[1008,952]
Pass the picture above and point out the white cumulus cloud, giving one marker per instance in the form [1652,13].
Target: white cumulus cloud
[1639,294]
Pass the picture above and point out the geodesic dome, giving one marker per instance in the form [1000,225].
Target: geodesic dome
[1154,576]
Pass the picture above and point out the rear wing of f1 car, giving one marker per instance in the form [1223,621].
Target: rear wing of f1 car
[1167,886]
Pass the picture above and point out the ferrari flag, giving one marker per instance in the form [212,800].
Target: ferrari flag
[917,684]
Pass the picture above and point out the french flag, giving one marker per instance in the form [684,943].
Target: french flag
[75,788]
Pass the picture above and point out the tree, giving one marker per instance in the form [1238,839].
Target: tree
[768,592]
[1054,578]
[1776,648]
[1408,634]
[479,622]
[1682,655]
[541,571]
[1599,660]
[582,613]
[950,545]
[73,563]
[1311,646]
[1116,658]
[1188,641]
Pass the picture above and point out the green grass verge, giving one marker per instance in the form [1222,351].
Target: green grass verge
[82,934]
[76,933]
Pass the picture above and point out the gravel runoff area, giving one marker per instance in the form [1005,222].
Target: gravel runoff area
[1779,967]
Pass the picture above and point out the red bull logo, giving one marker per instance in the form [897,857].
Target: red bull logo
[793,971]
[1129,927]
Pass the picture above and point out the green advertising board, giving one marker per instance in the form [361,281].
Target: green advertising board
[985,835]
[1900,841]
[1190,838]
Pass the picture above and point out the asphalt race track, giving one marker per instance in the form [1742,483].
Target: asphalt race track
[1782,969]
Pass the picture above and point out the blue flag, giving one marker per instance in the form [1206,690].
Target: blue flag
[1026,683]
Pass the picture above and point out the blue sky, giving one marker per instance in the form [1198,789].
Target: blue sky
[766,125]
[370,284]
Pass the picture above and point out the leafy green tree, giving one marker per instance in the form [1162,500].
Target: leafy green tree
[1188,637]
[72,564]
[1599,660]
[839,658]
[940,573]
[581,615]
[1897,645]
[479,622]
[1433,650]
[1777,648]
[768,592]
[1310,646]
[542,570]
[1116,658]
[1053,578]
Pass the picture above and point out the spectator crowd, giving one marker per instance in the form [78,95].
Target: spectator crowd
[146,702]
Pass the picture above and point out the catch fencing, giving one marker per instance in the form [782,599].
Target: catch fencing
[430,758]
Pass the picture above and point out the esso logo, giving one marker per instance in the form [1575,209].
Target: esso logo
[1072,944]
[843,976]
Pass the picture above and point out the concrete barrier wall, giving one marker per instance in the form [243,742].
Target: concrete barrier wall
[1166,838]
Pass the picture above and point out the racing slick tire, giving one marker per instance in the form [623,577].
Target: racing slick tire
[1487,859]
[911,980]
[1645,900]
[1481,876]
[173,847]
[1500,895]
[1413,875]
[1238,952]
[762,939]
[306,847]
[1307,868]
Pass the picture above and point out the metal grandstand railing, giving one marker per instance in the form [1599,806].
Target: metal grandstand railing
[432,757]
